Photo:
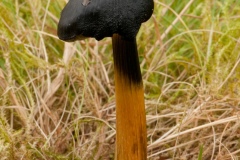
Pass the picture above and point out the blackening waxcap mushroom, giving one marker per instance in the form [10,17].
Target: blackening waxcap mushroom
[102,18]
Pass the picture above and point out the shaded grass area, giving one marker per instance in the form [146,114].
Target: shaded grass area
[57,99]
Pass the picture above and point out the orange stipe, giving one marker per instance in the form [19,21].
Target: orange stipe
[130,110]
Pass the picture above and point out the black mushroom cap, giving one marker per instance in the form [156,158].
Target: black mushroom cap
[102,18]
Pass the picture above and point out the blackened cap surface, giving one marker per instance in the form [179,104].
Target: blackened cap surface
[102,18]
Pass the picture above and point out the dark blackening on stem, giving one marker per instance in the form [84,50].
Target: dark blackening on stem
[126,61]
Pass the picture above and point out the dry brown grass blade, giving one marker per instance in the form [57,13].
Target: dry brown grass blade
[57,81]
[4,84]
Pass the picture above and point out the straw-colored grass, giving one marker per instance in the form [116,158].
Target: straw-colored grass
[57,99]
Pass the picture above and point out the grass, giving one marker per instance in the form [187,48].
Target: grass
[57,99]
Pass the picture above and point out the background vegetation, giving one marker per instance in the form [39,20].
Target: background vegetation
[57,99]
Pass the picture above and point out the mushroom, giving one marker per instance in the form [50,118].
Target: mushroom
[121,20]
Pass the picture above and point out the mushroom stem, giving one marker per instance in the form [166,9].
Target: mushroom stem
[131,135]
